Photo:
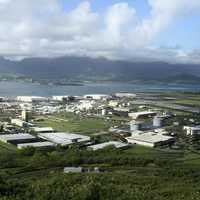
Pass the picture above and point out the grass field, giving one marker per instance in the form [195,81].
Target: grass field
[4,147]
[74,124]
[189,102]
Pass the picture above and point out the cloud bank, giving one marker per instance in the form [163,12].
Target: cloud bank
[43,28]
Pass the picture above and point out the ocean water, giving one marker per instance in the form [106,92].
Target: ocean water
[12,89]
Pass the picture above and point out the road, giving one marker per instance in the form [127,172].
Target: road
[166,104]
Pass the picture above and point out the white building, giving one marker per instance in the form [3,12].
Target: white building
[26,106]
[2,99]
[64,138]
[137,115]
[60,98]
[20,123]
[35,145]
[31,99]
[97,96]
[85,105]
[113,103]
[73,170]
[42,129]
[17,138]
[192,130]
[150,139]
[136,125]
[116,144]
[125,95]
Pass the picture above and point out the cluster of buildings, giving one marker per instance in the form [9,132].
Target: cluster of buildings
[146,127]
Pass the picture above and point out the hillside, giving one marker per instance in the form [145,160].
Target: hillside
[84,68]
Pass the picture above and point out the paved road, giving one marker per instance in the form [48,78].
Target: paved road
[166,104]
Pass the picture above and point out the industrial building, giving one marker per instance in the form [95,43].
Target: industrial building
[25,115]
[192,130]
[31,99]
[158,121]
[121,111]
[18,138]
[135,125]
[73,170]
[64,138]
[97,96]
[85,105]
[137,115]
[20,123]
[116,144]
[125,95]
[42,129]
[113,103]
[35,145]
[150,139]
[60,98]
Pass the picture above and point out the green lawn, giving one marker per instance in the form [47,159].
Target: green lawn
[87,126]
[189,102]
[4,147]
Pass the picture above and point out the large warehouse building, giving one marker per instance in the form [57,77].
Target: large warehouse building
[64,138]
[137,115]
[35,145]
[18,138]
[31,99]
[115,144]
[150,139]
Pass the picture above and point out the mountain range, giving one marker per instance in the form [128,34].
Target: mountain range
[99,69]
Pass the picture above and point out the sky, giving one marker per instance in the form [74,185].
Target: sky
[144,30]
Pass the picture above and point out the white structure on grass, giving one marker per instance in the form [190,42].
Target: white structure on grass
[192,130]
[116,144]
[31,99]
[35,145]
[64,138]
[150,139]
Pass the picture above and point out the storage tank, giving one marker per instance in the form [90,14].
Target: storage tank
[104,112]
[157,121]
[135,125]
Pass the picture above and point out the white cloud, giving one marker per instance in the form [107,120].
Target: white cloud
[44,28]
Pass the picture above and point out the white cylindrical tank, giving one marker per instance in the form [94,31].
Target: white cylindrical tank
[135,125]
[157,121]
[104,112]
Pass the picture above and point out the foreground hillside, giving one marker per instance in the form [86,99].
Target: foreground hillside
[136,173]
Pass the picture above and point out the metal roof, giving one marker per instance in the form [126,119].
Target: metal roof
[20,136]
[150,137]
[64,138]
[116,144]
[35,144]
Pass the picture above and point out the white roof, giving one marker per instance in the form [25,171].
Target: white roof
[73,169]
[35,144]
[116,144]
[31,98]
[137,114]
[59,98]
[43,129]
[20,136]
[150,137]
[97,96]
[64,138]
[195,128]
[125,94]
